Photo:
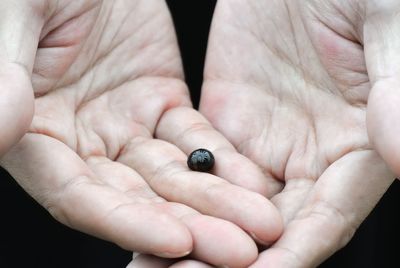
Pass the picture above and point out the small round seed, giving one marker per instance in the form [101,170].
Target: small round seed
[201,160]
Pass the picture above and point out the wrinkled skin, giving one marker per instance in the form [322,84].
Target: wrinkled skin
[112,129]
[293,73]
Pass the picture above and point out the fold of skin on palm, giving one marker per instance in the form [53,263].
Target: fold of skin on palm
[287,84]
[112,128]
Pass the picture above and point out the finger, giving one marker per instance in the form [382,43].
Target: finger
[341,199]
[164,167]
[189,130]
[123,179]
[191,264]
[147,261]
[20,26]
[382,45]
[59,180]
[215,241]
[232,246]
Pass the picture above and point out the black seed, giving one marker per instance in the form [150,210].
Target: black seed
[201,160]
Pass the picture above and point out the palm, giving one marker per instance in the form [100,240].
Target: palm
[108,80]
[303,89]
[93,72]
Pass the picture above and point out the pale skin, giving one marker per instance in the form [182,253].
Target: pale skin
[93,181]
[112,126]
[316,85]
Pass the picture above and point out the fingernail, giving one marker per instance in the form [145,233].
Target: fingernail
[258,240]
[171,255]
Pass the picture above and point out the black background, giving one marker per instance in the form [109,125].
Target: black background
[29,237]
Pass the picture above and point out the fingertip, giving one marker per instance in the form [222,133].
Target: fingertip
[269,227]
[134,227]
[255,213]
[220,242]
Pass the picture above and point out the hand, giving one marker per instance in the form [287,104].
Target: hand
[302,67]
[287,84]
[112,128]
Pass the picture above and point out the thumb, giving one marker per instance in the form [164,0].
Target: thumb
[20,26]
[382,53]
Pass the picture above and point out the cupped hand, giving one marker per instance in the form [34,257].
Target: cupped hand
[113,125]
[287,83]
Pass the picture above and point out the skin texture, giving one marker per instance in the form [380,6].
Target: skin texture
[304,88]
[94,129]
[16,95]
[303,77]
[112,129]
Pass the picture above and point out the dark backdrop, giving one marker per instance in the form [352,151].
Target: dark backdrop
[29,237]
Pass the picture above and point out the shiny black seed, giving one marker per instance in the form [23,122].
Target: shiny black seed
[201,160]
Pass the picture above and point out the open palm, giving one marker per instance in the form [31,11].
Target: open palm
[286,83]
[112,128]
